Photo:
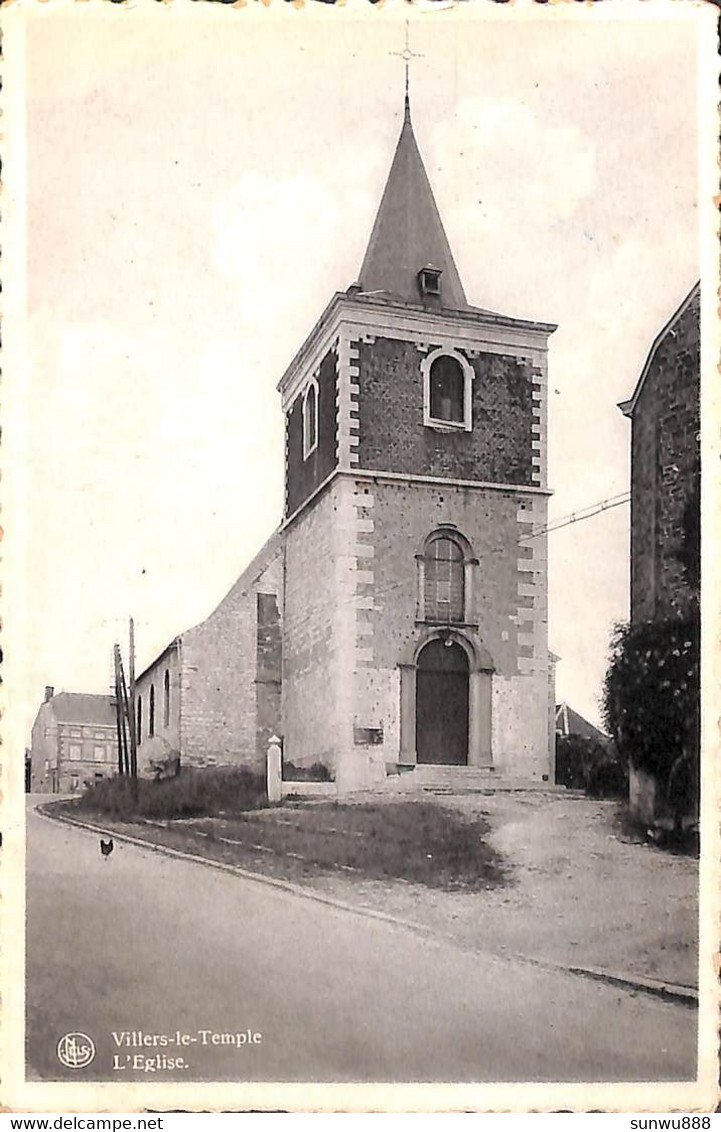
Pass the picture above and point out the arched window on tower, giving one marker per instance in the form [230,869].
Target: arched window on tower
[151,712]
[310,419]
[443,579]
[166,698]
[447,389]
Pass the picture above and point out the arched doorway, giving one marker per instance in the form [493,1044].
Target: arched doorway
[442,704]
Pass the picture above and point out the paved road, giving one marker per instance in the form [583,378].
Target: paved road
[143,942]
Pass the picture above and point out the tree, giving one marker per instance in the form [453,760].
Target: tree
[652,699]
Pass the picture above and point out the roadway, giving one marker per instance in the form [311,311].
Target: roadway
[157,947]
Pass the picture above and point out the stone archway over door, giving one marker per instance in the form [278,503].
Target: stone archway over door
[442,704]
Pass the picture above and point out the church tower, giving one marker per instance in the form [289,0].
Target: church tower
[415,603]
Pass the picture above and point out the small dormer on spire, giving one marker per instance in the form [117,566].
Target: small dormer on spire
[429,282]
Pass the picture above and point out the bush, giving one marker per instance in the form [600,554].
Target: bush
[652,701]
[574,758]
[192,793]
[318,772]
[586,764]
[608,779]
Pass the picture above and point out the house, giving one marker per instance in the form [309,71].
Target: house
[74,742]
[570,723]
[666,468]
[665,489]
[397,617]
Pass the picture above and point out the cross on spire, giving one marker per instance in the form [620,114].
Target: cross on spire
[406,55]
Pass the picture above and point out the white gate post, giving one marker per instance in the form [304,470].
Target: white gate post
[274,771]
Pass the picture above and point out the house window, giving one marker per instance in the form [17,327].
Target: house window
[151,712]
[447,387]
[166,698]
[310,419]
[139,734]
[99,754]
[75,752]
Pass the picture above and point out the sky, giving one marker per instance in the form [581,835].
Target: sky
[202,179]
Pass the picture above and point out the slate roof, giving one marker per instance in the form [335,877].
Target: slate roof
[249,576]
[82,707]
[408,232]
[569,722]
[627,407]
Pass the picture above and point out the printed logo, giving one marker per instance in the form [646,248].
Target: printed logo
[76,1050]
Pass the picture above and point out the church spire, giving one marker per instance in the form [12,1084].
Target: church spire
[408,234]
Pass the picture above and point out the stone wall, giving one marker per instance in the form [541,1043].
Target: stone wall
[166,738]
[508,614]
[310,646]
[665,464]
[218,670]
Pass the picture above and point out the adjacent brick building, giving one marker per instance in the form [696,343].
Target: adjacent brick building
[666,468]
[665,490]
[74,742]
[399,613]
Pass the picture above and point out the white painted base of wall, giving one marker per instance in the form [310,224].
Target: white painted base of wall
[642,794]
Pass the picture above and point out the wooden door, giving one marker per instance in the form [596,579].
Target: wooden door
[442,704]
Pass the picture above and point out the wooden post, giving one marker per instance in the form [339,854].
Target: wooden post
[126,717]
[119,712]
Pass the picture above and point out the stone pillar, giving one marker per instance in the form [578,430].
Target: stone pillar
[469,568]
[274,771]
[421,583]
[479,719]
[408,753]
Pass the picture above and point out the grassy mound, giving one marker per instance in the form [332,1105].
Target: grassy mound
[412,840]
[193,793]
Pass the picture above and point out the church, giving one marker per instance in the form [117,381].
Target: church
[396,622]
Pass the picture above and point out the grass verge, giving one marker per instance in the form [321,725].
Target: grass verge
[415,842]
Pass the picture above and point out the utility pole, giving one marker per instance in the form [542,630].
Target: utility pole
[126,717]
[119,711]
[132,712]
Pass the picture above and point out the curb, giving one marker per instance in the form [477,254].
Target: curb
[672,992]
[237,870]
